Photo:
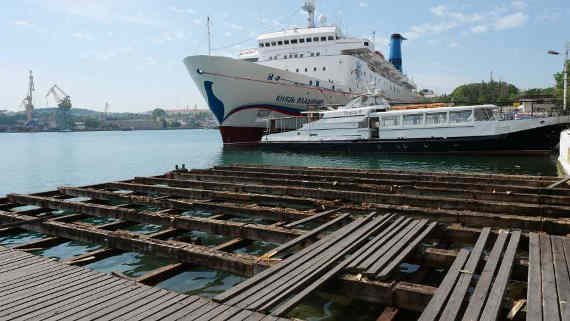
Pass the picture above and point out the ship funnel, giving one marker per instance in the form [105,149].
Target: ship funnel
[396,50]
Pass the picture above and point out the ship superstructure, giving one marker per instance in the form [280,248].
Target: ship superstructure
[292,71]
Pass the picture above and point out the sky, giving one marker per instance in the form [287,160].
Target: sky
[129,52]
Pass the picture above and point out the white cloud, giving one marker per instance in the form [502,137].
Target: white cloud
[197,21]
[363,4]
[439,11]
[235,27]
[29,25]
[453,44]
[180,10]
[22,23]
[479,29]
[228,34]
[511,21]
[106,55]
[519,5]
[82,36]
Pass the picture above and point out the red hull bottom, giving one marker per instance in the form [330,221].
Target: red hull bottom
[241,135]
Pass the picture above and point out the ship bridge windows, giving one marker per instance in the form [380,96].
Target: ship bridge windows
[366,44]
[323,38]
[261,45]
[315,39]
[280,43]
[436,118]
[413,120]
[460,116]
[273,43]
[484,114]
[309,39]
[286,42]
[331,38]
[293,41]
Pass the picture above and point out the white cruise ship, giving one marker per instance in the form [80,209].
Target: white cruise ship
[291,71]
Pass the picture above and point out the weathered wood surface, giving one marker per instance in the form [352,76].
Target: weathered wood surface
[64,292]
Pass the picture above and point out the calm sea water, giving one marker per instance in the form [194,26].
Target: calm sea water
[36,162]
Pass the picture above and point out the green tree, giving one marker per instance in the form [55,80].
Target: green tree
[158,113]
[92,123]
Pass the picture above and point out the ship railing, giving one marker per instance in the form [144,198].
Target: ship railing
[515,113]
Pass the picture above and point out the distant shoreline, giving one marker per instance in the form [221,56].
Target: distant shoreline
[95,130]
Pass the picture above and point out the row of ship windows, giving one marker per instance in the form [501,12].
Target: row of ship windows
[291,56]
[430,119]
[296,41]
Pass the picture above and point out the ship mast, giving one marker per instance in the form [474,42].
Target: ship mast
[29,99]
[309,7]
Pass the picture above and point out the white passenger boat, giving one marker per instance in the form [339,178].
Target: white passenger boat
[291,70]
[367,124]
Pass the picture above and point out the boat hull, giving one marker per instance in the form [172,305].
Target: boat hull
[535,141]
[243,95]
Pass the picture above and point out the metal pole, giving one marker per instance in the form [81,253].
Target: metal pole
[566,77]
[209,38]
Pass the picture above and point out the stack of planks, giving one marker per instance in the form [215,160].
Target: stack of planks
[305,271]
[548,280]
[486,299]
[387,250]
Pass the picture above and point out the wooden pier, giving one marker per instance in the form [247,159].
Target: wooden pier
[474,241]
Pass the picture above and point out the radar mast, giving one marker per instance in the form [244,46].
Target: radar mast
[309,7]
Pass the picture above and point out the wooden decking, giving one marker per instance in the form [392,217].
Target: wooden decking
[36,288]
[487,297]
[548,279]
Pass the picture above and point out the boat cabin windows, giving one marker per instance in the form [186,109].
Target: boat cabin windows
[302,40]
[413,120]
[331,38]
[316,39]
[436,118]
[484,114]
[286,42]
[273,43]
[323,38]
[280,43]
[391,121]
[460,116]
[261,45]
[294,41]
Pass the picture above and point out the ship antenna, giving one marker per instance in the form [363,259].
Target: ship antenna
[309,7]
[209,38]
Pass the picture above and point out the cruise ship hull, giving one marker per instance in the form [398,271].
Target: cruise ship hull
[243,95]
[534,141]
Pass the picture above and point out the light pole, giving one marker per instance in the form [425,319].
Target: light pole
[552,52]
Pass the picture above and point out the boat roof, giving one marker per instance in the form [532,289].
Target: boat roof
[296,32]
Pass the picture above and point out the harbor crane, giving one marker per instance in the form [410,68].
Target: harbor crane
[28,101]
[63,100]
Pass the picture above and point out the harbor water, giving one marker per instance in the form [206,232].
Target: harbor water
[36,162]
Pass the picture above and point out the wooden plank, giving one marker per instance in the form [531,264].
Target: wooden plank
[269,293]
[285,266]
[185,303]
[479,296]
[186,310]
[353,242]
[534,284]
[36,294]
[300,239]
[218,310]
[69,295]
[565,311]
[242,316]
[146,314]
[42,285]
[378,254]
[134,305]
[378,241]
[85,306]
[73,300]
[34,279]
[397,248]
[37,270]
[92,256]
[560,182]
[403,254]
[116,304]
[458,295]
[255,316]
[160,274]
[491,310]
[388,314]
[550,309]
[561,275]
[442,293]
[312,218]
